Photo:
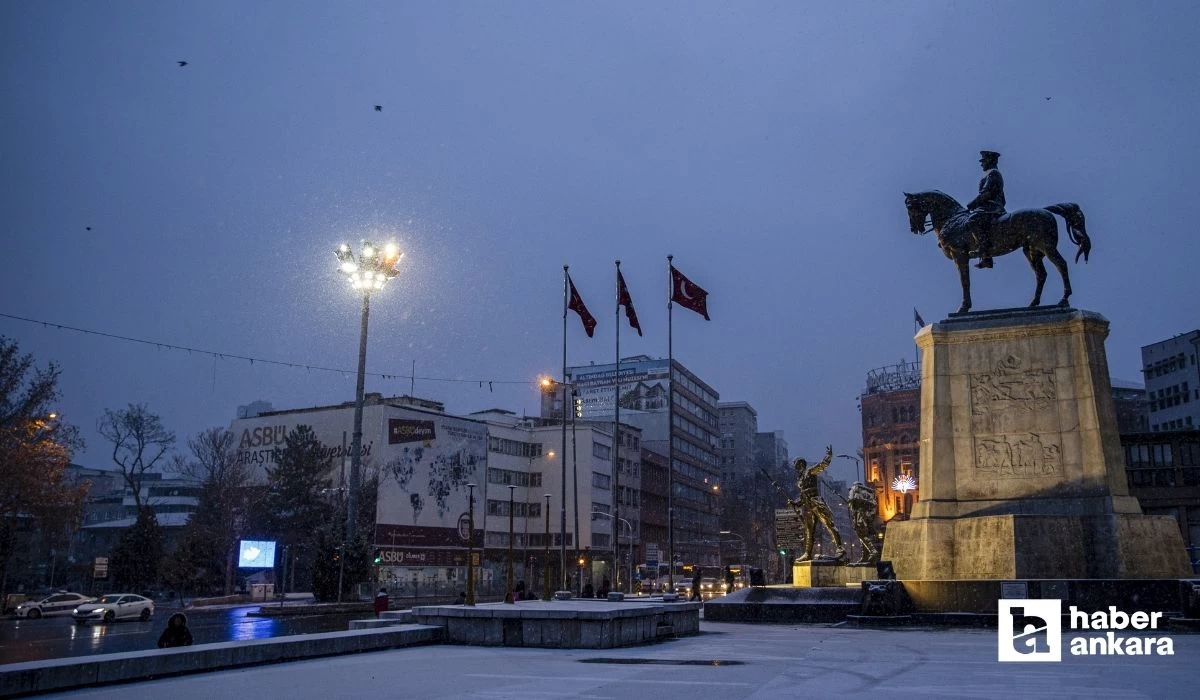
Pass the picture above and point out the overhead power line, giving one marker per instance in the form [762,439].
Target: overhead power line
[263,360]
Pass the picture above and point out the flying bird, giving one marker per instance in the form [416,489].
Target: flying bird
[89,228]
[378,108]
[182,63]
[1047,99]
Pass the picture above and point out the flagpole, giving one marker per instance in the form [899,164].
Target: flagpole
[562,513]
[916,328]
[670,431]
[616,461]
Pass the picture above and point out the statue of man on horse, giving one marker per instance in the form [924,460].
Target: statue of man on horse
[983,230]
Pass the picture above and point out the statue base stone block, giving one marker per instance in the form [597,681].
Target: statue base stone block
[821,574]
[1021,468]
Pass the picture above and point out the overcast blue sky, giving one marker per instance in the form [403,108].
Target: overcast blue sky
[765,145]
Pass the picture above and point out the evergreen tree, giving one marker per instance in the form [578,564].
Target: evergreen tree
[136,558]
[298,499]
[198,563]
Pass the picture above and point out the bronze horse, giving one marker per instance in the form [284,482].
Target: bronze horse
[1033,231]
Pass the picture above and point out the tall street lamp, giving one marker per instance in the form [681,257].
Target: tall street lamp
[617,539]
[367,271]
[508,594]
[546,556]
[549,384]
[471,544]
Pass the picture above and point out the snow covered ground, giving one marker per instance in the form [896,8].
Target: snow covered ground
[778,662]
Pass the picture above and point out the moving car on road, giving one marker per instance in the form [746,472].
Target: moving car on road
[62,602]
[114,606]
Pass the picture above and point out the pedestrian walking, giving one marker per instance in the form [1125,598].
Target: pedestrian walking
[176,634]
[462,598]
[729,580]
[519,591]
[696,585]
[381,601]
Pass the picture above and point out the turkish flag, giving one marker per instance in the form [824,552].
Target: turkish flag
[577,305]
[623,298]
[688,294]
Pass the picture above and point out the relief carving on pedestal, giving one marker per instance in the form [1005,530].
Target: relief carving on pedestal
[1017,456]
[1011,386]
[1005,404]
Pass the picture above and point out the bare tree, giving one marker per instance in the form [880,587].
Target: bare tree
[228,496]
[139,441]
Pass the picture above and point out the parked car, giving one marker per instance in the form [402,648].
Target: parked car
[12,600]
[115,606]
[62,602]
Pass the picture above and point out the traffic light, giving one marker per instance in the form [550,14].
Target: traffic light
[578,407]
[378,557]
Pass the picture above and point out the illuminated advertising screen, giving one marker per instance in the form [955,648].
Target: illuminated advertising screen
[256,554]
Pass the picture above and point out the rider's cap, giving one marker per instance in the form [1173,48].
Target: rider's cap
[989,154]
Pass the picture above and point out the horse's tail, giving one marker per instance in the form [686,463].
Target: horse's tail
[1073,215]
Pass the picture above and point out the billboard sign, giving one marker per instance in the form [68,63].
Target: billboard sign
[424,461]
[256,554]
[401,430]
[644,387]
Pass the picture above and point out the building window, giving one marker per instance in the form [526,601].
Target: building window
[601,481]
[516,448]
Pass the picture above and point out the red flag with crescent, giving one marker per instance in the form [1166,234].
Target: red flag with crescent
[576,304]
[688,294]
[624,299]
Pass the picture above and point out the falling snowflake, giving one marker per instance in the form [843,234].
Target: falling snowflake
[904,483]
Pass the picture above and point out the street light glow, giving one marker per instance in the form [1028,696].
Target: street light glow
[368,271]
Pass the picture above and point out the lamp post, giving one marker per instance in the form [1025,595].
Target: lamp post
[508,593]
[617,539]
[368,271]
[470,544]
[546,556]
[743,539]
[857,468]
[550,385]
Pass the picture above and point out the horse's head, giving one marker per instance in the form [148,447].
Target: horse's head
[933,205]
[917,213]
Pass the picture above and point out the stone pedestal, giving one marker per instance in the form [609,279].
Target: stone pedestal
[1021,472]
[820,574]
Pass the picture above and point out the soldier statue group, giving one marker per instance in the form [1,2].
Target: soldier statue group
[813,509]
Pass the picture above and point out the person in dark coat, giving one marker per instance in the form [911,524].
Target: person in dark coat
[519,591]
[605,586]
[696,585]
[381,601]
[176,634]
[587,590]
[462,598]
[729,580]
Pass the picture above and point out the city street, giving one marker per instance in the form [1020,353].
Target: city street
[726,661]
[59,636]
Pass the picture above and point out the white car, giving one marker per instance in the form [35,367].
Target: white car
[58,603]
[115,606]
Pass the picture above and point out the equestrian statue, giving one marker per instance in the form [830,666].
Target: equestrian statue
[983,229]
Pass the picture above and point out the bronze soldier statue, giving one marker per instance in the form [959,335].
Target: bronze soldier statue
[987,206]
[863,505]
[812,508]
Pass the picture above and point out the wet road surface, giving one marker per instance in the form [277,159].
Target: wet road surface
[58,636]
